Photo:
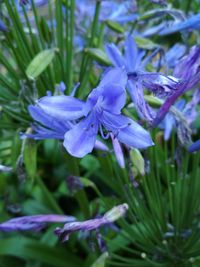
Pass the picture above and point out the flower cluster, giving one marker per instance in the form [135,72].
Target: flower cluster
[78,122]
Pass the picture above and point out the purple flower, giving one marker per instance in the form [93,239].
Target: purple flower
[33,223]
[188,68]
[192,23]
[101,111]
[93,224]
[188,73]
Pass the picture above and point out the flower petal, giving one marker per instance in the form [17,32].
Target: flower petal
[168,103]
[194,147]
[126,130]
[62,107]
[80,140]
[114,98]
[131,54]
[191,23]
[100,145]
[114,75]
[40,116]
[136,92]
[174,54]
[115,55]
[168,123]
[118,152]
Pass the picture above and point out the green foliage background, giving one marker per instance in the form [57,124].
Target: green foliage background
[161,228]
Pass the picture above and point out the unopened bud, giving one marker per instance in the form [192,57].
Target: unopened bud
[116,213]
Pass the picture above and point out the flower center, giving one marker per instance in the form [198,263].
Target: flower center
[99,104]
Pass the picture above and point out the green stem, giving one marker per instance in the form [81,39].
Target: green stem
[80,196]
[85,61]
[48,196]
[71,40]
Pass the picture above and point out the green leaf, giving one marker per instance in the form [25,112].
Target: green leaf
[101,261]
[30,157]
[145,43]
[115,26]
[99,55]
[90,163]
[25,248]
[40,62]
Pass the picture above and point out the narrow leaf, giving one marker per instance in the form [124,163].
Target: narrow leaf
[40,62]
[98,55]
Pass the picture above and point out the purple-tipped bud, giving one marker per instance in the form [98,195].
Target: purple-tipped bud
[33,223]
[118,152]
[89,225]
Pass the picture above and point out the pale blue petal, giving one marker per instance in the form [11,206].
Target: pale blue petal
[189,24]
[114,76]
[115,55]
[136,92]
[174,54]
[40,116]
[101,146]
[131,53]
[62,107]
[110,94]
[169,123]
[114,98]
[80,140]
[126,130]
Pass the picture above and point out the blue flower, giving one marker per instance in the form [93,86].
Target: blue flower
[101,111]
[110,10]
[47,126]
[174,54]
[192,23]
[138,78]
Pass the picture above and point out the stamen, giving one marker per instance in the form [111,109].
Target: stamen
[102,133]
